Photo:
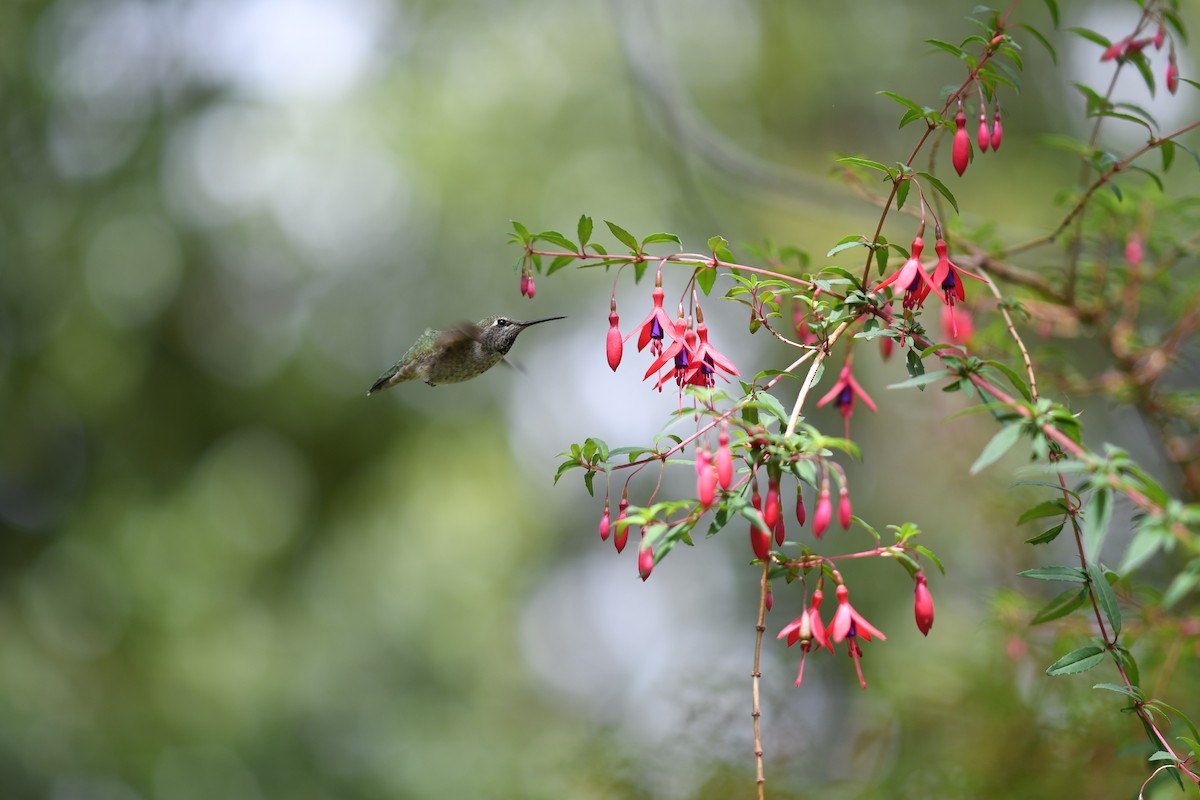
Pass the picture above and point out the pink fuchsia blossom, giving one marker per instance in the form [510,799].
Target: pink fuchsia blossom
[911,279]
[656,324]
[807,629]
[843,394]
[846,618]
[707,359]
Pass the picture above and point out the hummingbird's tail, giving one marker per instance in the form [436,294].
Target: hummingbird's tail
[389,378]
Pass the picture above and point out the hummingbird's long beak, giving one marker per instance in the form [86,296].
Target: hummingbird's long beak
[538,321]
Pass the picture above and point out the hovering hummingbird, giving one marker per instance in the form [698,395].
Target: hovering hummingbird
[457,354]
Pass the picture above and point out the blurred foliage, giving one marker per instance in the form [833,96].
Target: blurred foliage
[226,573]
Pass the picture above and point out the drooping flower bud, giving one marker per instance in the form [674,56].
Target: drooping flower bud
[605,525]
[706,478]
[1172,75]
[724,460]
[1160,36]
[923,605]
[985,136]
[886,345]
[771,508]
[997,131]
[844,510]
[769,600]
[823,513]
[524,284]
[621,536]
[760,542]
[801,513]
[645,559]
[614,344]
[780,532]
[961,150]
[1115,50]
[531,289]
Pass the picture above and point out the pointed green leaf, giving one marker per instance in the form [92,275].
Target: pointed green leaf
[1061,605]
[657,238]
[706,278]
[865,162]
[941,187]
[1047,508]
[997,447]
[584,230]
[623,236]
[1055,574]
[1048,535]
[559,262]
[554,237]
[921,380]
[1105,598]
[1080,660]
[1134,692]
[1095,521]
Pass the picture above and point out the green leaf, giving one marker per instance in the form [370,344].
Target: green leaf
[904,101]
[925,551]
[921,380]
[1061,605]
[1167,149]
[1013,378]
[997,447]
[584,231]
[623,236]
[1047,508]
[1144,544]
[716,243]
[560,262]
[1134,692]
[656,238]
[846,244]
[522,231]
[1048,535]
[1052,7]
[554,237]
[953,50]
[941,187]
[1032,31]
[865,162]
[1105,598]
[1091,36]
[706,278]
[1055,574]
[1080,660]
[1096,519]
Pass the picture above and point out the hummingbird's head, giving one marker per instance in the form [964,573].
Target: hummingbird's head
[499,333]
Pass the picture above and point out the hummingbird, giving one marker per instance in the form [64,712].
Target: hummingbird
[456,355]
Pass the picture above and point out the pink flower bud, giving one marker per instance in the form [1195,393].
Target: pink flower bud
[823,514]
[801,513]
[844,511]
[923,605]
[1115,50]
[724,461]
[760,542]
[621,536]
[531,290]
[524,284]
[886,345]
[771,509]
[1134,252]
[961,151]
[769,600]
[706,478]
[997,131]
[780,532]
[985,136]
[605,526]
[645,560]
[1160,36]
[614,345]
[1172,75]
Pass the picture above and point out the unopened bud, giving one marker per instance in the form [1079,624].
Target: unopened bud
[724,461]
[780,532]
[621,535]
[844,510]
[605,525]
[614,344]
[531,289]
[706,478]
[771,508]
[760,541]
[645,561]
[997,131]
[823,513]
[1172,75]
[984,139]
[961,150]
[801,512]
[923,605]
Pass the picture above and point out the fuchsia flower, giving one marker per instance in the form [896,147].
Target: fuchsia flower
[958,324]
[621,535]
[923,605]
[848,622]
[843,394]
[947,277]
[681,351]
[614,344]
[707,358]
[806,629]
[960,153]
[656,323]
[911,279]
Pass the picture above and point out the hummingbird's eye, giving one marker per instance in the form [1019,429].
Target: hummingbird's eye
[500,323]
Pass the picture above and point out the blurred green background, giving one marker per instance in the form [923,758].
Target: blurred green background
[226,573]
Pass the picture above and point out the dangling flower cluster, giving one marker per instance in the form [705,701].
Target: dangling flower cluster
[1131,46]
[527,286]
[847,625]
[691,358]
[946,283]
[960,151]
